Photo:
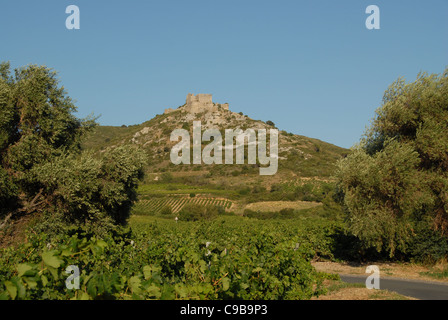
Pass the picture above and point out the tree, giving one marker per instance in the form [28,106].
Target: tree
[42,165]
[396,177]
[36,124]
[270,123]
[195,212]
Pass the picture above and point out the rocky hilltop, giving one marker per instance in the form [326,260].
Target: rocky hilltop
[202,108]
[200,103]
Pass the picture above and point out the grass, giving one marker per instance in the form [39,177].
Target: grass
[103,136]
[140,221]
[339,290]
[387,295]
[437,274]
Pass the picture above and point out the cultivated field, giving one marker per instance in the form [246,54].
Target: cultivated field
[176,203]
[274,206]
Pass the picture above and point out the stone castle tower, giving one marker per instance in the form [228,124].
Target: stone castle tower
[200,103]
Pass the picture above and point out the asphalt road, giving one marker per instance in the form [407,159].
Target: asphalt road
[424,290]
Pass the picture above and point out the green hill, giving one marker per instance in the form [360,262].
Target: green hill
[299,156]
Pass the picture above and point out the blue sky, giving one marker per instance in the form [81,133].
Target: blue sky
[312,67]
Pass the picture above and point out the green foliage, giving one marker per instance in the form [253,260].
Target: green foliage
[397,177]
[438,274]
[381,193]
[290,191]
[287,213]
[427,246]
[186,126]
[258,189]
[166,211]
[244,191]
[9,192]
[90,188]
[43,168]
[196,212]
[167,177]
[226,259]
[38,119]
[36,124]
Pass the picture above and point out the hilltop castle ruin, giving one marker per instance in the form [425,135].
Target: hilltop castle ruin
[200,103]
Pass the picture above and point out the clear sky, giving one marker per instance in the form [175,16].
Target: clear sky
[311,67]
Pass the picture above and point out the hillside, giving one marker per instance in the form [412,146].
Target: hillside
[299,156]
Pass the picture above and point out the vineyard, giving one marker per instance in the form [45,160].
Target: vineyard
[229,258]
[176,203]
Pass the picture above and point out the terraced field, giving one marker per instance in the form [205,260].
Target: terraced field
[176,203]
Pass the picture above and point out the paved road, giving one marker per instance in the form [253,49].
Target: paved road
[424,290]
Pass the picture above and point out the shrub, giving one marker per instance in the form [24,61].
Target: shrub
[244,191]
[167,177]
[258,189]
[195,212]
[166,210]
[286,213]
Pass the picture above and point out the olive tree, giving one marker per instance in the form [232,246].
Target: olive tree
[396,177]
[43,167]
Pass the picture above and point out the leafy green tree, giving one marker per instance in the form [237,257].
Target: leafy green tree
[36,124]
[42,165]
[396,177]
